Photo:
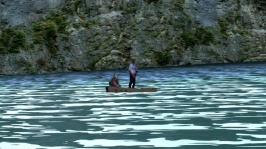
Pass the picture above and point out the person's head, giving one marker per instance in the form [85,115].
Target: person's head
[115,77]
[133,59]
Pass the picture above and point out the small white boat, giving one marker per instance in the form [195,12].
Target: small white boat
[116,89]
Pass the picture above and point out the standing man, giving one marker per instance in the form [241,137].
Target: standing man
[133,69]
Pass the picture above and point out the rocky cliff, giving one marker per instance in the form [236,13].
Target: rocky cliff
[74,35]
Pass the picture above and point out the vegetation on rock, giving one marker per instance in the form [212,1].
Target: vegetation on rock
[11,40]
[46,31]
[204,36]
[162,58]
[223,26]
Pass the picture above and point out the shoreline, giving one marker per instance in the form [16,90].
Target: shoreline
[167,66]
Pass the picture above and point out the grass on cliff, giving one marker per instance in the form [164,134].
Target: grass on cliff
[93,62]
[11,40]
[204,36]
[51,26]
[46,31]
[78,3]
[162,58]
[60,20]
[223,26]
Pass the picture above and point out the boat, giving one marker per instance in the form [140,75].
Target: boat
[116,89]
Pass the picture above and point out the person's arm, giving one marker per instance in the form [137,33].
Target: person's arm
[136,71]
[129,70]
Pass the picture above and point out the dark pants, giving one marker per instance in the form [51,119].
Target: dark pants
[132,82]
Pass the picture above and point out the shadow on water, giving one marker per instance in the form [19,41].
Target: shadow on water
[221,106]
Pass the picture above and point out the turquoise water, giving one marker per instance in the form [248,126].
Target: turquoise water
[196,107]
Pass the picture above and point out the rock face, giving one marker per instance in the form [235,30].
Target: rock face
[24,12]
[43,36]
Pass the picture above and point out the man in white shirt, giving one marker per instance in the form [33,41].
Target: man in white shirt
[133,69]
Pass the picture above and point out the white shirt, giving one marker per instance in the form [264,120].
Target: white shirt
[133,68]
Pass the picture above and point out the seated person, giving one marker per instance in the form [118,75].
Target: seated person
[114,82]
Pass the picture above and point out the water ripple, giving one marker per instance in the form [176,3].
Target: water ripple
[216,105]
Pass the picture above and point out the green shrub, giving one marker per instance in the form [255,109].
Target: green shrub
[45,29]
[18,40]
[130,7]
[2,48]
[60,20]
[46,32]
[162,58]
[89,23]
[203,36]
[189,38]
[179,4]
[51,30]
[223,26]
[78,3]
[25,63]
[11,40]
[93,62]
[69,7]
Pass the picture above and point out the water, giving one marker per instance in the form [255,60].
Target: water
[197,107]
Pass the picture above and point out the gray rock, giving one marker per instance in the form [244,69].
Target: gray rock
[111,62]
[203,11]
[23,12]
[116,52]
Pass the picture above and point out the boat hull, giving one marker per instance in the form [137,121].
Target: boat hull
[115,89]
